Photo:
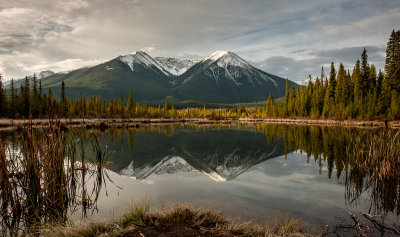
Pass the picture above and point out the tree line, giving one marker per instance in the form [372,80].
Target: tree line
[361,94]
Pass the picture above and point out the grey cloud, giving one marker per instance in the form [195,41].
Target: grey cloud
[349,54]
[263,30]
[287,67]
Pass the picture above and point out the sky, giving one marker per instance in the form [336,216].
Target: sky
[288,38]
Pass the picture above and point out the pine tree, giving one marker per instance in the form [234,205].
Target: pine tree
[332,82]
[26,98]
[364,85]
[13,99]
[35,102]
[131,103]
[63,101]
[339,94]
[392,62]
[287,96]
[356,79]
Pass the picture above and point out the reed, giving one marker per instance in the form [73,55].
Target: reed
[41,178]
[373,165]
[378,155]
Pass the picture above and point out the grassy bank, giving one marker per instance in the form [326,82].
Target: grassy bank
[177,220]
[134,122]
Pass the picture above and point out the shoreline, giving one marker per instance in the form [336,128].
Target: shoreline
[11,124]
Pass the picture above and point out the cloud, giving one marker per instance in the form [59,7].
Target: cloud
[299,69]
[287,67]
[70,5]
[53,31]
[64,65]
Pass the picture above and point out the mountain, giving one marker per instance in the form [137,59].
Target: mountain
[222,78]
[227,78]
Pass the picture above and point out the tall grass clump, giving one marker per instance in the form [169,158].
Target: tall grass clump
[33,184]
[379,155]
[178,220]
[374,165]
[42,176]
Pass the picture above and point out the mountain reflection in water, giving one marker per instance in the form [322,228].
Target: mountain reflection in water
[247,170]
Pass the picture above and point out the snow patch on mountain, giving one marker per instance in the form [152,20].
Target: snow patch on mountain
[108,68]
[175,66]
[44,74]
[216,55]
[142,58]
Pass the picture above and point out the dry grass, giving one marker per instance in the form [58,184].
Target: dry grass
[178,220]
[378,155]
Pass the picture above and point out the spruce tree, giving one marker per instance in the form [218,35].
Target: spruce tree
[287,97]
[356,79]
[339,93]
[63,101]
[13,99]
[392,62]
[365,82]
[332,82]
[130,104]
[26,98]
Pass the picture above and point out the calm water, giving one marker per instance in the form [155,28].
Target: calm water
[248,172]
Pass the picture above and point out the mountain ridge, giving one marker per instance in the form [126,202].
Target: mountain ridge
[221,78]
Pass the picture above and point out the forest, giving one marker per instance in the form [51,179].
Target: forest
[362,93]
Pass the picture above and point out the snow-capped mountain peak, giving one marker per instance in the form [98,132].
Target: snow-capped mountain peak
[216,55]
[142,58]
[225,58]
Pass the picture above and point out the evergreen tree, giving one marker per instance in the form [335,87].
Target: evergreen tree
[35,102]
[13,99]
[63,101]
[287,96]
[392,62]
[356,79]
[131,103]
[332,82]
[339,94]
[364,85]
[26,98]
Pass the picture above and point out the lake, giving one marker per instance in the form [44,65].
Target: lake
[249,172]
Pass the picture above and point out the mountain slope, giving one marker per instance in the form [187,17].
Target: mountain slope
[175,66]
[116,78]
[221,78]
[227,78]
